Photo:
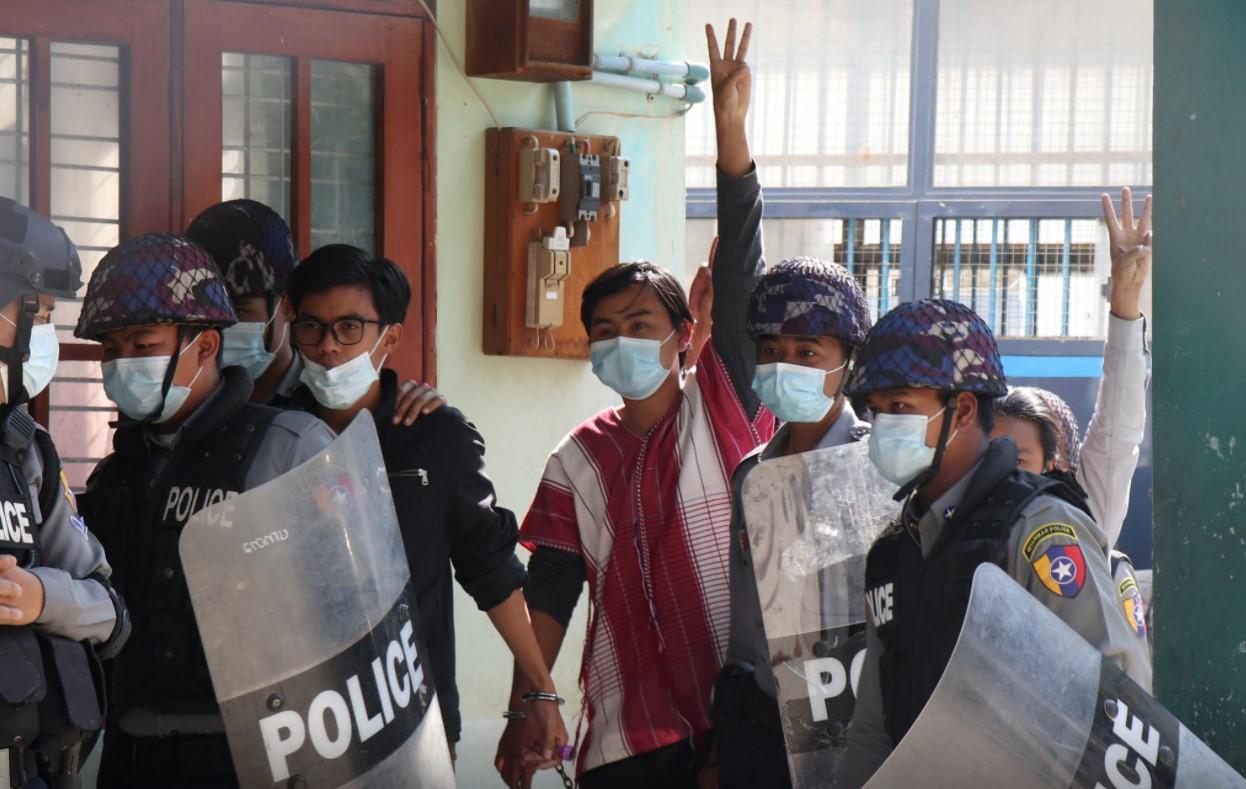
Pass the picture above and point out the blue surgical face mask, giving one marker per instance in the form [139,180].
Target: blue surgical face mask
[630,366]
[898,445]
[341,387]
[242,345]
[134,384]
[794,393]
[37,371]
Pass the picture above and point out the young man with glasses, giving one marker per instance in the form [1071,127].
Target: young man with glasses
[254,249]
[348,311]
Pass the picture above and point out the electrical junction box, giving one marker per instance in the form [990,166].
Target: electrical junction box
[551,226]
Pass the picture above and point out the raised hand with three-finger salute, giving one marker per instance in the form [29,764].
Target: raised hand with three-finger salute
[1131,253]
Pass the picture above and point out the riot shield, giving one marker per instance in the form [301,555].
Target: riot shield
[811,519]
[302,594]
[1025,701]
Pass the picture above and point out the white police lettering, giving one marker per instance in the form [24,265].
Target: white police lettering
[1139,742]
[14,524]
[827,679]
[260,543]
[394,677]
[185,502]
[879,599]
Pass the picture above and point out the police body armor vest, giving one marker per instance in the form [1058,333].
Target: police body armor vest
[144,510]
[930,595]
[48,695]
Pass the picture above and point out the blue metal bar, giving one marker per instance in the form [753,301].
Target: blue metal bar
[1052,366]
[852,244]
[884,277]
[994,278]
[1064,273]
[955,259]
[1031,281]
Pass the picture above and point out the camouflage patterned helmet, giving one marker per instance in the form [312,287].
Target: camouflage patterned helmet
[154,279]
[1068,443]
[809,297]
[251,244]
[929,344]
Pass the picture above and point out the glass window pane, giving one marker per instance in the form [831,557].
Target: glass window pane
[86,156]
[256,110]
[86,202]
[1026,277]
[1044,94]
[343,152]
[15,119]
[79,412]
[869,248]
[830,91]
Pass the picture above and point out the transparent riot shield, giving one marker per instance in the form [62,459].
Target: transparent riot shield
[303,598]
[811,519]
[1026,702]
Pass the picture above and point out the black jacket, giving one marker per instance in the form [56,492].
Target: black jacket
[446,511]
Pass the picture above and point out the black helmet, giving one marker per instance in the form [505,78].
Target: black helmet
[36,257]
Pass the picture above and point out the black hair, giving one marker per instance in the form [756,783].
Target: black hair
[341,265]
[622,276]
[1025,404]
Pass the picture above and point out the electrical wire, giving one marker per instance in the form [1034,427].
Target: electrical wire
[687,108]
[453,59]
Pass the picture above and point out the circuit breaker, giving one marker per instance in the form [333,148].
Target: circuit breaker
[553,207]
[549,262]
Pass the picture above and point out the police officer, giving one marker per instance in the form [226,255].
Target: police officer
[254,249]
[806,317]
[930,371]
[55,594]
[190,438]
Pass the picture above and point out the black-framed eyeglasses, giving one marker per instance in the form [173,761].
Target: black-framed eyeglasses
[346,331]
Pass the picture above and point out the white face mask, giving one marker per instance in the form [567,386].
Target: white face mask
[898,446]
[134,384]
[242,345]
[341,387]
[37,371]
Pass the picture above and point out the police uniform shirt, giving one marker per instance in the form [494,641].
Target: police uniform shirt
[746,641]
[1045,551]
[74,605]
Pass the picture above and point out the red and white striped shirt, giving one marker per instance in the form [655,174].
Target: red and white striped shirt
[650,515]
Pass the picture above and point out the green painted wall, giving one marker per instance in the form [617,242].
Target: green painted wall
[1200,368]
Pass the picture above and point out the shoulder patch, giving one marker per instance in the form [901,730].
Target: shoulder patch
[1044,533]
[1131,603]
[1062,569]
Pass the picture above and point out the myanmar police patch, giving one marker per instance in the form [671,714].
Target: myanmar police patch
[1062,569]
[1131,602]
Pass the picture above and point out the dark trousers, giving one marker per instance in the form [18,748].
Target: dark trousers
[176,762]
[672,767]
[749,734]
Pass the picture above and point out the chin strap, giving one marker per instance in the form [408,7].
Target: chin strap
[14,356]
[929,474]
[169,372]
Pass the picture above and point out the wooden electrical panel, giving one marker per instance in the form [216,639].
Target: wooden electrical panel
[546,41]
[511,225]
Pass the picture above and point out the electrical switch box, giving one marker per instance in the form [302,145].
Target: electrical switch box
[540,174]
[549,262]
[551,226]
[615,178]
